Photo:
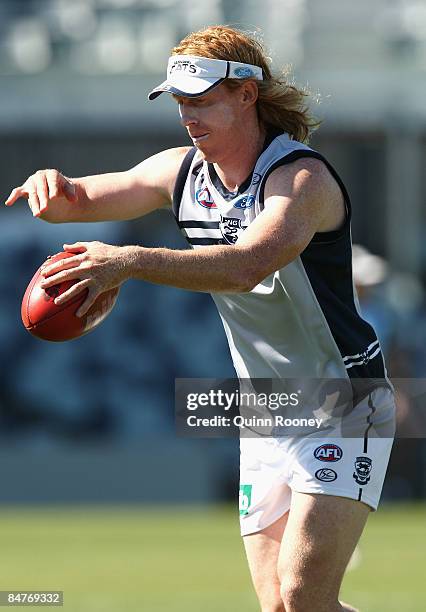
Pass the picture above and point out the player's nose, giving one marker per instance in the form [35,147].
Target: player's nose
[187,115]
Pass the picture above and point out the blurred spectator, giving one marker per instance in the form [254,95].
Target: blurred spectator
[393,303]
[370,273]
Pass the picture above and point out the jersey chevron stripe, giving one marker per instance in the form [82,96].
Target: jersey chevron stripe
[192,232]
[369,348]
[199,223]
[204,241]
[350,365]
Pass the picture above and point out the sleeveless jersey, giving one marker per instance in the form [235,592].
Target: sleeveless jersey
[302,320]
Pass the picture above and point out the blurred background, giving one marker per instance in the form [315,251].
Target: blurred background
[92,421]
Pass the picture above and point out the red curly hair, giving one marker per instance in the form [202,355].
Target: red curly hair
[280,103]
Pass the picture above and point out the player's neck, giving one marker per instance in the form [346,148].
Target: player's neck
[238,163]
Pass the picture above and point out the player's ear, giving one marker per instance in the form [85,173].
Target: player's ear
[249,93]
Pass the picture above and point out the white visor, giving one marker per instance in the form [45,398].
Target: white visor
[191,76]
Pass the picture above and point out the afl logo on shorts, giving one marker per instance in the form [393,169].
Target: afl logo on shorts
[204,198]
[328,452]
[325,475]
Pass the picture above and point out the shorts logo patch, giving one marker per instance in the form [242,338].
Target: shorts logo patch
[328,452]
[362,470]
[244,500]
[325,475]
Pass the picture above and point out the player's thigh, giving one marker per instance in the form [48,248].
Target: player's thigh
[263,550]
[320,537]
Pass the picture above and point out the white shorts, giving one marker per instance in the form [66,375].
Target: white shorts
[354,467]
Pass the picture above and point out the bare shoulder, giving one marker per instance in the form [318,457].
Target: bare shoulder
[306,172]
[309,180]
[160,170]
[172,158]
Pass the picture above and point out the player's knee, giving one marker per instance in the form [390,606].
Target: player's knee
[299,597]
[291,595]
[295,600]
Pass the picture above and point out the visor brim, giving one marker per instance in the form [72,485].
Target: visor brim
[191,87]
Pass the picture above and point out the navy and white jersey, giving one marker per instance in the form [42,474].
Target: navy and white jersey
[302,320]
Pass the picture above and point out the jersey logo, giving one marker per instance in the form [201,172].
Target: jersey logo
[204,198]
[231,229]
[256,178]
[246,201]
[365,357]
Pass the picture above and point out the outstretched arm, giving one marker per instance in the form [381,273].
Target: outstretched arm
[300,200]
[116,196]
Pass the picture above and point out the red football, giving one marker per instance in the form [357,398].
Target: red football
[44,319]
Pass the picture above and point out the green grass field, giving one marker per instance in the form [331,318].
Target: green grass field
[188,560]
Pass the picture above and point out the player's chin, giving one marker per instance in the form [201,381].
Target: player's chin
[206,153]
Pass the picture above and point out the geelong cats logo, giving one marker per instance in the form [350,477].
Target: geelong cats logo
[231,229]
[362,470]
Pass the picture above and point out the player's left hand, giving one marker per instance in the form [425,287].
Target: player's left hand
[97,266]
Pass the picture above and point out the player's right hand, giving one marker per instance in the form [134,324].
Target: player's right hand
[42,187]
